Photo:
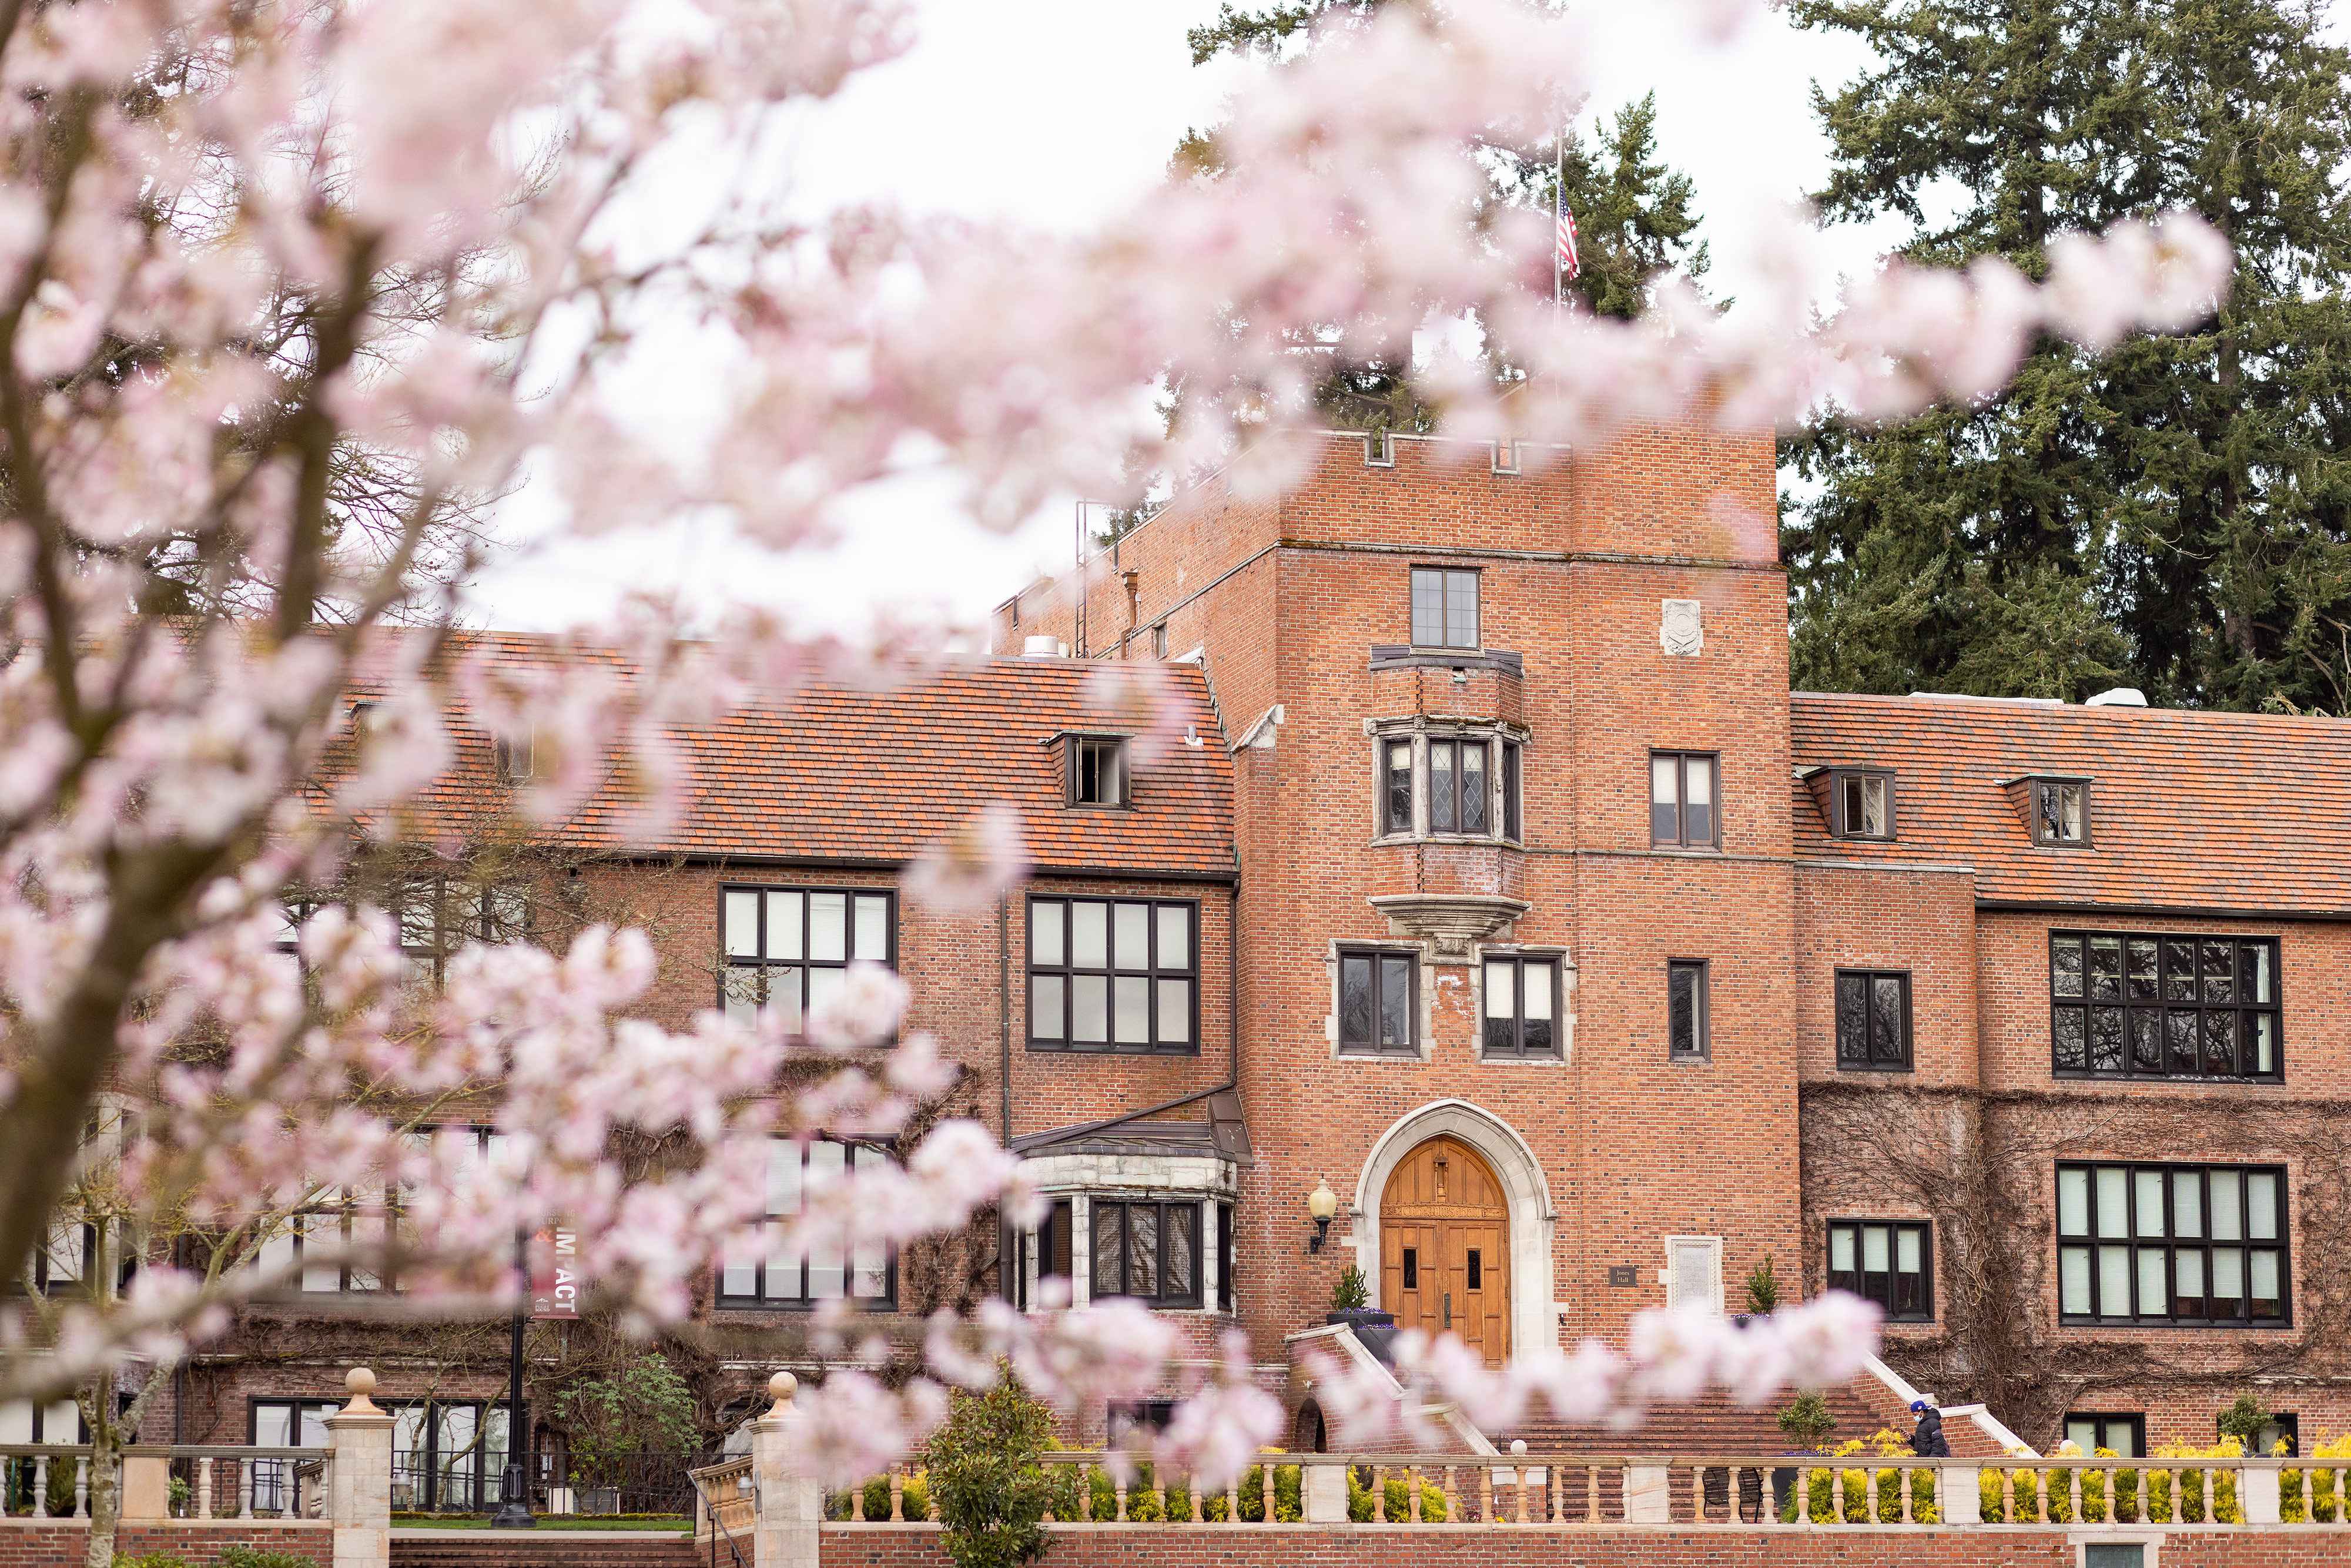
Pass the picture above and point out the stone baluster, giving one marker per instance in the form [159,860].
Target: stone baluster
[1591,1494]
[1121,1500]
[1192,1488]
[40,1486]
[1486,1493]
[81,1486]
[244,1471]
[1233,1502]
[1379,1494]
[204,1487]
[1452,1502]
[1265,1475]
[897,1494]
[1902,1480]
[1519,1473]
[1697,1494]
[1412,1490]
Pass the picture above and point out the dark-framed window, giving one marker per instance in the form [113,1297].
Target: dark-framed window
[1098,773]
[1689,1035]
[448,1455]
[1113,975]
[1149,1251]
[1861,804]
[1873,1020]
[1444,608]
[1395,785]
[1224,1257]
[1460,791]
[1521,1008]
[1378,993]
[1052,1248]
[281,1424]
[2122,1432]
[2060,811]
[2136,1004]
[1143,1417]
[1889,1262]
[1682,800]
[2283,1426]
[2173,1244]
[1512,826]
[766,1267]
[790,948]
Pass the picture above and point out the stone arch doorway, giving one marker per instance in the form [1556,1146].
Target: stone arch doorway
[1445,1253]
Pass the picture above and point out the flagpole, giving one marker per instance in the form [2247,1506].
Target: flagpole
[1558,207]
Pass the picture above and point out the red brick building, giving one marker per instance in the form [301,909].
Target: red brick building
[1492,878]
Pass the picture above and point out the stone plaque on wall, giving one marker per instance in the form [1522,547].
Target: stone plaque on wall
[1680,632]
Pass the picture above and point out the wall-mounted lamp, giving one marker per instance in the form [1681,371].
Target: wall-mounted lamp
[1320,1205]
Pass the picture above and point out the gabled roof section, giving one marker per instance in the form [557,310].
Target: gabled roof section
[2192,811]
[836,772]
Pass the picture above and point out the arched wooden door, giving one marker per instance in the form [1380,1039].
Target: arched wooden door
[1445,1259]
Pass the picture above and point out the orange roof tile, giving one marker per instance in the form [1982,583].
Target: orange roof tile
[2190,810]
[831,772]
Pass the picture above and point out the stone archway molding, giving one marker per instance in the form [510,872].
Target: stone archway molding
[1535,1318]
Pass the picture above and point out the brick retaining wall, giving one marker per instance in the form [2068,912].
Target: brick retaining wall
[60,1543]
[1349,1546]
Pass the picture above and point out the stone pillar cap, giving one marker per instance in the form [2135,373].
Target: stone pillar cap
[361,1383]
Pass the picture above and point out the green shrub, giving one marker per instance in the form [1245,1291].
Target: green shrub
[1399,1499]
[253,1557]
[165,1559]
[987,1480]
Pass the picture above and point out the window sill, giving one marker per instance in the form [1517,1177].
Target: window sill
[1658,849]
[1057,1048]
[2201,1081]
[1359,1053]
[1844,1066]
[863,1303]
[2267,1325]
[1689,1059]
[1527,1059]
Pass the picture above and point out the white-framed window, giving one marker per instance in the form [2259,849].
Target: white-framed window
[1693,1271]
[22,1421]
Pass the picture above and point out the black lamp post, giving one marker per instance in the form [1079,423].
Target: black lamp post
[513,1488]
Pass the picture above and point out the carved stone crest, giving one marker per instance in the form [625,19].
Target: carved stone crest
[1680,632]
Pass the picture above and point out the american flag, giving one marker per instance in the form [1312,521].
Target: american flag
[1567,262]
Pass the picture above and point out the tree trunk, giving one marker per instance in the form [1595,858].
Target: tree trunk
[105,1492]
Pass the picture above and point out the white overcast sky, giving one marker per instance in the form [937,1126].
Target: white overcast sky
[1058,114]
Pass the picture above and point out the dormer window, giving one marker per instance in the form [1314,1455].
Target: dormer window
[1862,805]
[1098,770]
[2061,810]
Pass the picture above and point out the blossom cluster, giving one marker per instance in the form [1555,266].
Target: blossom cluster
[291,291]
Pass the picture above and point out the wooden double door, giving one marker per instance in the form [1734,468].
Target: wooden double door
[1444,1258]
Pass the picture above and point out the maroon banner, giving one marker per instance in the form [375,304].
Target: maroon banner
[556,1282]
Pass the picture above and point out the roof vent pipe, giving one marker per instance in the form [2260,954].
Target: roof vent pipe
[1041,647]
[2118,697]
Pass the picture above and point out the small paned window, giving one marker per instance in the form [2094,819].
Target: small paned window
[1890,1262]
[1113,975]
[2172,1244]
[1873,1020]
[1224,1257]
[1510,812]
[1521,1006]
[1459,795]
[2061,810]
[1444,608]
[2123,1436]
[1149,1251]
[1687,1033]
[2145,1005]
[1375,1003]
[1097,770]
[1159,641]
[1139,1417]
[1681,800]
[767,1266]
[1396,786]
[1864,805]
[1049,1250]
[2283,1426]
[789,948]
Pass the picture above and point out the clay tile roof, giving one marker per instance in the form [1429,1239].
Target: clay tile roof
[2190,810]
[832,771]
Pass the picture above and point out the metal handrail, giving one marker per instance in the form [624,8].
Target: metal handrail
[718,1526]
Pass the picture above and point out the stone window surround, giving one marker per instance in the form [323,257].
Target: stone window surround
[1425,999]
[1205,1179]
[1420,729]
[1526,1191]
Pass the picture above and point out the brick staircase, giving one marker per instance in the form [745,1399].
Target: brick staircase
[551,1549]
[1714,1424]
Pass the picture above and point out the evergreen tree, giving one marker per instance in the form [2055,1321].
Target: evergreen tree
[2172,515]
[1634,213]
